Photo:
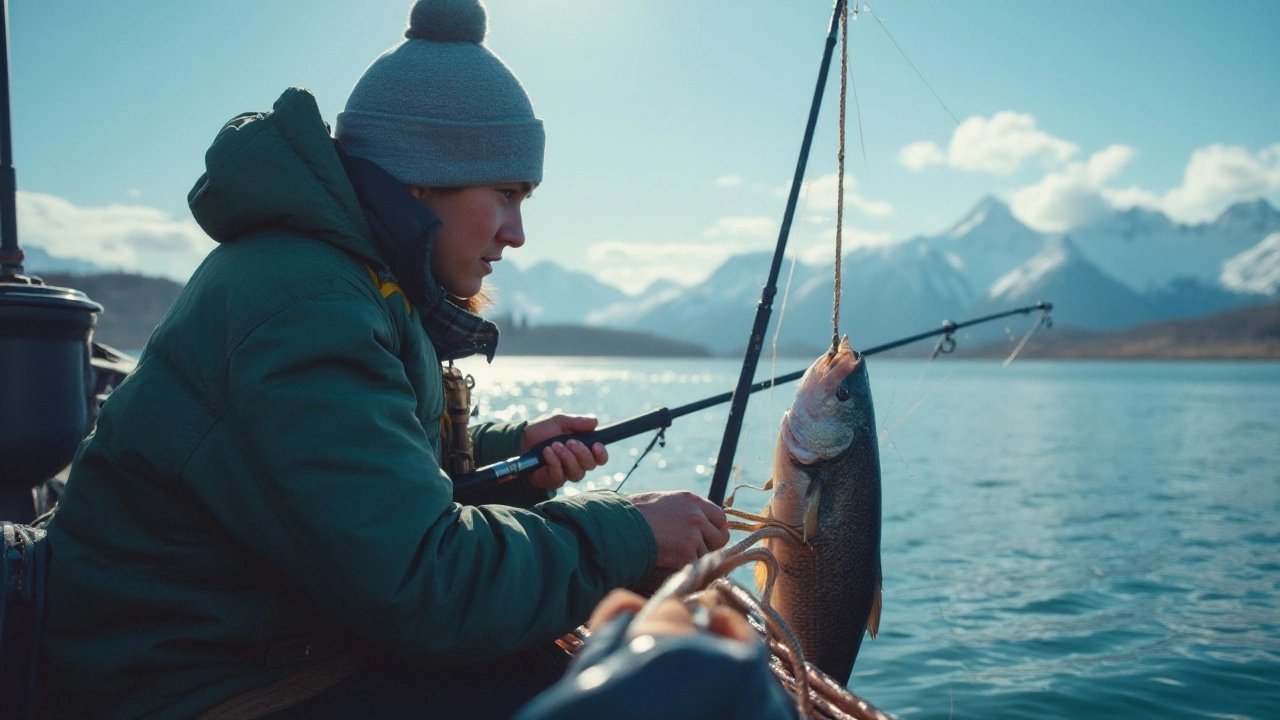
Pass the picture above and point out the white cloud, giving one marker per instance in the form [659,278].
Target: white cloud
[853,238]
[1125,198]
[920,155]
[1106,163]
[128,237]
[1217,176]
[820,194]
[728,181]
[758,226]
[999,145]
[634,266]
[1073,195]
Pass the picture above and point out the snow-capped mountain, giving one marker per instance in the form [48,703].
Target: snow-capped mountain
[625,312]
[1147,251]
[1256,270]
[1082,295]
[882,288]
[1131,267]
[548,294]
[986,243]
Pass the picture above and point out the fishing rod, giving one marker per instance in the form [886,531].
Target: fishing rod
[755,342]
[493,475]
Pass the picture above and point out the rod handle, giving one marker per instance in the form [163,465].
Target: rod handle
[493,475]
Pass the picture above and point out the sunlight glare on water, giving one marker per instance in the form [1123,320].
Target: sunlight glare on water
[1059,539]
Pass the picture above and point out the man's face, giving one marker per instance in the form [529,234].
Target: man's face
[477,223]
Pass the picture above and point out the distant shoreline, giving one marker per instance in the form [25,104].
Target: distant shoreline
[135,305]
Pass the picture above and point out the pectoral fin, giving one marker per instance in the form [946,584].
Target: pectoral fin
[762,576]
[762,570]
[811,512]
[873,620]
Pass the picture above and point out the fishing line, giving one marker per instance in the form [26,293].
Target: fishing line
[659,438]
[805,187]
[944,345]
[857,108]
[913,65]
[919,402]
[1044,317]
[782,312]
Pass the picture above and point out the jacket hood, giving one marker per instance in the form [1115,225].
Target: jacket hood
[279,171]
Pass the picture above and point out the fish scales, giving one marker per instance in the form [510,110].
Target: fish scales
[826,480]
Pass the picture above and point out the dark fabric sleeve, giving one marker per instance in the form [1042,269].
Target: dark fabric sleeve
[494,442]
[348,499]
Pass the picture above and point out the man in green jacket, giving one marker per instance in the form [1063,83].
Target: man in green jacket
[260,516]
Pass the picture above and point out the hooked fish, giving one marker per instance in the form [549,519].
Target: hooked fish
[826,484]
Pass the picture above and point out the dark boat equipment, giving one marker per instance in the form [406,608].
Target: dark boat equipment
[48,384]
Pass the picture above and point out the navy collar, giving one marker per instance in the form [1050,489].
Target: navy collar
[405,232]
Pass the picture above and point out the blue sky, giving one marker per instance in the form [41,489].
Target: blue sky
[673,125]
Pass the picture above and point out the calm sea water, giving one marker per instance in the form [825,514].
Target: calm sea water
[1060,540]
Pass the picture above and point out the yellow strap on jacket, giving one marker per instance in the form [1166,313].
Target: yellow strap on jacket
[388,288]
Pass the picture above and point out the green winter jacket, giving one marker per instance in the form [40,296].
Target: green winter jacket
[266,486]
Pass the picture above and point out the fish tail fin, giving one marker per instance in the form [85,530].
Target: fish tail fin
[873,620]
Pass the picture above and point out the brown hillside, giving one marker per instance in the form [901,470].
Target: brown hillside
[133,304]
[1248,334]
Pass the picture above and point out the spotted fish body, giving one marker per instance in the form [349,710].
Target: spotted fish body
[826,480]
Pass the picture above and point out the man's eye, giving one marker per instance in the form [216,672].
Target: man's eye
[507,193]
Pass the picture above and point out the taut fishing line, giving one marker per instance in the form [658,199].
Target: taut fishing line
[857,108]
[659,438]
[913,65]
[1044,318]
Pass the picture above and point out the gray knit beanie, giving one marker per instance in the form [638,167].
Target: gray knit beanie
[440,109]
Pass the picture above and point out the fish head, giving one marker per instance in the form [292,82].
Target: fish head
[833,402]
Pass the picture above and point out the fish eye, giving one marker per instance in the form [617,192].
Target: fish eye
[842,393]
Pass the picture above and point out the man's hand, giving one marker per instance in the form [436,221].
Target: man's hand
[565,461]
[673,617]
[686,525]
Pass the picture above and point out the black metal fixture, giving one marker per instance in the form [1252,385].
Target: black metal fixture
[47,398]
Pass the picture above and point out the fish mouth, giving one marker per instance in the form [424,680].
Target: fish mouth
[832,368]
[812,430]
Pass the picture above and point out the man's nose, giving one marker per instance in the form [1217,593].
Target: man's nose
[512,230]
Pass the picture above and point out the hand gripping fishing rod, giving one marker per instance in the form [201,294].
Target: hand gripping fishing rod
[498,473]
[733,428]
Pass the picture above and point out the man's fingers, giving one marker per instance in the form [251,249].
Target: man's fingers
[578,424]
[615,602]
[715,514]
[582,456]
[730,624]
[554,467]
[713,537]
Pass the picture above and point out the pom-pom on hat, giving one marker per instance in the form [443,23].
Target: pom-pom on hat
[440,109]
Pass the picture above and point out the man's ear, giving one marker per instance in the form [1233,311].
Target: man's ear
[418,192]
